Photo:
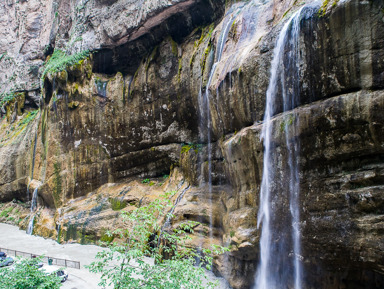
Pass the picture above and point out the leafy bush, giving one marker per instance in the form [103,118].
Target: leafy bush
[174,264]
[26,275]
[6,97]
[60,61]
[117,204]
[28,118]
[6,212]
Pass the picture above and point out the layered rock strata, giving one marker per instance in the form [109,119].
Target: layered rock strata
[132,111]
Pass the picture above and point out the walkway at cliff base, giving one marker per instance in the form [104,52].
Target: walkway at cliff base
[13,238]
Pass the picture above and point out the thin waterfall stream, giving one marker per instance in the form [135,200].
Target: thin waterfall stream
[34,194]
[280,248]
[33,209]
[204,105]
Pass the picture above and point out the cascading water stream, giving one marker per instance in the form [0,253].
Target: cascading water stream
[204,105]
[34,153]
[33,209]
[276,270]
[290,101]
[34,195]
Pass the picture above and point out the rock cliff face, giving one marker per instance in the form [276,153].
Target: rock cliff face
[132,120]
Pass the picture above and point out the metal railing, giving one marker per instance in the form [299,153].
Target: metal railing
[46,259]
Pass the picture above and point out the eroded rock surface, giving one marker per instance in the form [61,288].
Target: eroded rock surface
[135,111]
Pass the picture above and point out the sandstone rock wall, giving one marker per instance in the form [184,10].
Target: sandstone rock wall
[133,110]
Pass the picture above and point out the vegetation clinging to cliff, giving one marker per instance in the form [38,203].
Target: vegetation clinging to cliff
[12,131]
[175,263]
[60,61]
[6,97]
[324,7]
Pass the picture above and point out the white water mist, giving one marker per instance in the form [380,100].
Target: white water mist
[33,209]
[276,271]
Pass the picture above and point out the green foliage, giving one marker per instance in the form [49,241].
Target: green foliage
[28,118]
[126,265]
[287,122]
[106,238]
[26,275]
[146,181]
[117,204]
[60,61]
[6,97]
[17,128]
[6,212]
[206,33]
[186,148]
[324,6]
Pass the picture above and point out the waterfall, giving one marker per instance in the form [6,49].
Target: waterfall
[33,159]
[279,264]
[204,106]
[101,87]
[33,209]
[34,195]
[30,225]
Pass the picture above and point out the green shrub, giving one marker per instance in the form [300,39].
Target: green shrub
[25,274]
[117,204]
[176,265]
[28,118]
[6,97]
[60,61]
[5,213]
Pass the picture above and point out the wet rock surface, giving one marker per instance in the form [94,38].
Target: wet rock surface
[133,111]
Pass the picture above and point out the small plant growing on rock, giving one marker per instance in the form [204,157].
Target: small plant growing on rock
[151,255]
[117,204]
[6,97]
[60,61]
[195,147]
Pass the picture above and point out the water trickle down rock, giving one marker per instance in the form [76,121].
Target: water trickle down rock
[205,124]
[101,87]
[33,209]
[279,263]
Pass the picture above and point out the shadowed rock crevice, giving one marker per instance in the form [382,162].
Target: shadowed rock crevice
[178,21]
[122,127]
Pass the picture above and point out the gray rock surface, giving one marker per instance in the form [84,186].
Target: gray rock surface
[155,61]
